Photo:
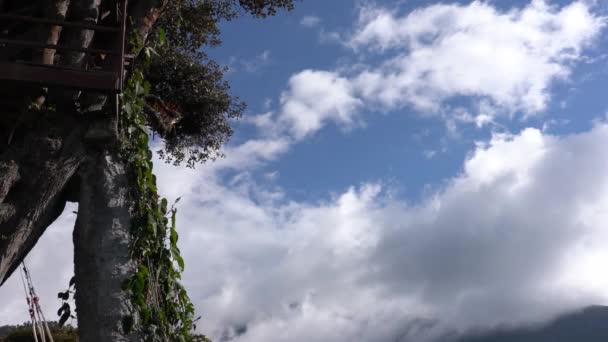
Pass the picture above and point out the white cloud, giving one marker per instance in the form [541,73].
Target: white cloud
[442,51]
[310,21]
[252,153]
[314,97]
[516,237]
[429,154]
[250,65]
[500,62]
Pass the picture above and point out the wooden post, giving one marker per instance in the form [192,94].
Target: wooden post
[120,66]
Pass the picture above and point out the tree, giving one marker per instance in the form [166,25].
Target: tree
[59,145]
[23,333]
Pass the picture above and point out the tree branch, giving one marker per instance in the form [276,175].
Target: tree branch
[167,126]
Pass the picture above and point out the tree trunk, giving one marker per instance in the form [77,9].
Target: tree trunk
[34,178]
[44,163]
[101,249]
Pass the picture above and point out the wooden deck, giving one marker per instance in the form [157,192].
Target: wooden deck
[56,76]
[108,78]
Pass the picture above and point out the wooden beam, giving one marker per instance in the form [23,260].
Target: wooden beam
[27,19]
[53,76]
[122,41]
[57,47]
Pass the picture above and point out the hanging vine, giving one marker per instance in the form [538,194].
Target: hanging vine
[162,308]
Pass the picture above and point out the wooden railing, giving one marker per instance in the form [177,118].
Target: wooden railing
[109,77]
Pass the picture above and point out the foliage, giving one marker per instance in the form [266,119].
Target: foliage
[192,83]
[200,338]
[65,311]
[200,107]
[163,311]
[263,8]
[198,91]
[23,333]
[192,24]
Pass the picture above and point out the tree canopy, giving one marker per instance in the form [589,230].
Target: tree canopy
[199,95]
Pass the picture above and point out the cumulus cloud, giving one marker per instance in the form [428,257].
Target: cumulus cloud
[516,237]
[314,97]
[442,51]
[499,62]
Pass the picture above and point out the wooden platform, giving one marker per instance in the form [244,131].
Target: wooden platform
[56,76]
[107,79]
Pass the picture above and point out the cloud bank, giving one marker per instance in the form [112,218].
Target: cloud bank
[516,237]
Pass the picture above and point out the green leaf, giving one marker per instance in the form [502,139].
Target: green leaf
[142,128]
[64,318]
[64,309]
[64,295]
[174,236]
[173,212]
[128,108]
[162,35]
[139,90]
[140,280]
[163,206]
[180,262]
[152,225]
[147,87]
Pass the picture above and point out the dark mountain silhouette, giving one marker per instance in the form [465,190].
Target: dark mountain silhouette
[588,325]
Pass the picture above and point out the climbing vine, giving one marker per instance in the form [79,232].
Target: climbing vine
[162,308]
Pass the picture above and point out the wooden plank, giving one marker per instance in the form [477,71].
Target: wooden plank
[56,47]
[122,41]
[68,78]
[31,8]
[27,19]
[54,66]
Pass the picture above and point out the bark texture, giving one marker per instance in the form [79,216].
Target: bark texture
[34,178]
[84,11]
[101,249]
[46,162]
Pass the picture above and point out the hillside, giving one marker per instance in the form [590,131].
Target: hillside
[588,325]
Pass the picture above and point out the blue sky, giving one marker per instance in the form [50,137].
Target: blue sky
[398,160]
[394,144]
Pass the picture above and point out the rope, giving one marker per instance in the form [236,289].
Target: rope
[29,307]
[38,320]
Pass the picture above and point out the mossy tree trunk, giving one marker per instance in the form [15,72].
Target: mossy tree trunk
[60,154]
[101,249]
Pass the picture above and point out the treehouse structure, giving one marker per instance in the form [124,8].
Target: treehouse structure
[22,60]
[67,58]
